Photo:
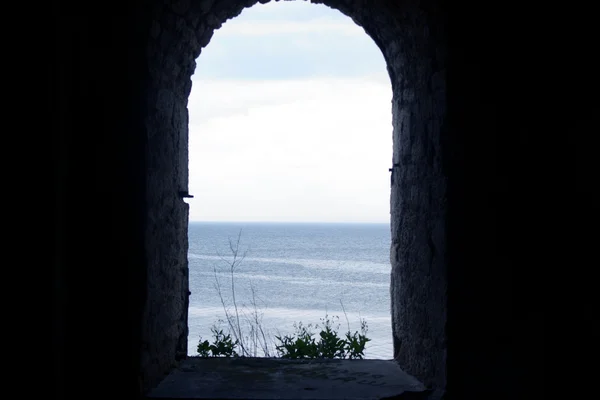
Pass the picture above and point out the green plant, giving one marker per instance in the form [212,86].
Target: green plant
[330,344]
[355,343]
[223,345]
[302,344]
[298,345]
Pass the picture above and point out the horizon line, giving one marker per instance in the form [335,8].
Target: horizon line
[289,222]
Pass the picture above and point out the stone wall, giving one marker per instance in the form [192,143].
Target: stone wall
[416,58]
[97,75]
[164,334]
[406,35]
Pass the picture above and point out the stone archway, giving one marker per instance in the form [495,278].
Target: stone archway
[410,37]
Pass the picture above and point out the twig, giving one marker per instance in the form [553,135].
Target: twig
[346,315]
[233,264]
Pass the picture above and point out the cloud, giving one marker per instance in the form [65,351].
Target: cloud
[286,56]
[216,98]
[280,45]
[294,11]
[315,26]
[290,120]
[293,150]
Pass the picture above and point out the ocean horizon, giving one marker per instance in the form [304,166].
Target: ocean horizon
[298,271]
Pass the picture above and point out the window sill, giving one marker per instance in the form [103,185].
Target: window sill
[274,378]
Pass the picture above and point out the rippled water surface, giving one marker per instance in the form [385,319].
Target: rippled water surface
[299,272]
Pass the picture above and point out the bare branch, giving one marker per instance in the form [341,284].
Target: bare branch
[346,315]
[245,323]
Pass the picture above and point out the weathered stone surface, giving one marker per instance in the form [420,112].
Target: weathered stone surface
[264,378]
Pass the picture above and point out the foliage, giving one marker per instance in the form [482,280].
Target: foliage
[355,343]
[302,344]
[223,345]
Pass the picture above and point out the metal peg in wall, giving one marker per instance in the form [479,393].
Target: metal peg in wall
[392,171]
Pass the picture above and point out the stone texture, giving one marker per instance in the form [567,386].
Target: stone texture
[264,378]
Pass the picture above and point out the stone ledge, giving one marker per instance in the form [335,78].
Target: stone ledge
[273,378]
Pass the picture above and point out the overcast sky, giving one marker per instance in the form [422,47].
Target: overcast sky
[290,120]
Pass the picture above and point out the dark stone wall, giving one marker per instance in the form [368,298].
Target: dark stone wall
[460,206]
[97,73]
[164,334]
[495,275]
[418,194]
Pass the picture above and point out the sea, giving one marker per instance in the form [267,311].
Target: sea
[285,274]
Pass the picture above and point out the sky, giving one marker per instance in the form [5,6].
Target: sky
[290,120]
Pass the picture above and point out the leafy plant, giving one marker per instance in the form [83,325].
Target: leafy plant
[302,344]
[330,344]
[223,345]
[298,345]
[355,343]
